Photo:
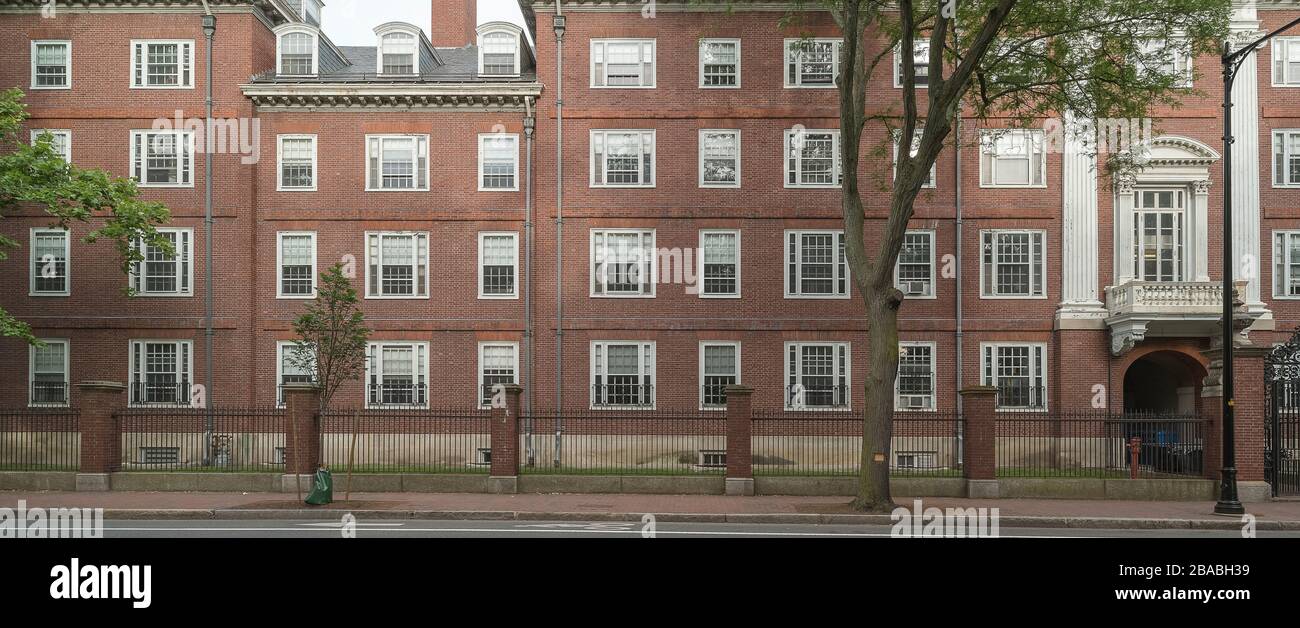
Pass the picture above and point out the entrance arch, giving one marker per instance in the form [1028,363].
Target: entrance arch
[1163,382]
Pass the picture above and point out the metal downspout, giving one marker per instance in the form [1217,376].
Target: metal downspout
[559,24]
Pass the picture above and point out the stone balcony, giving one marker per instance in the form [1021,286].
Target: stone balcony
[1137,309]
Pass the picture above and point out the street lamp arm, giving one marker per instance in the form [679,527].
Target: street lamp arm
[1236,57]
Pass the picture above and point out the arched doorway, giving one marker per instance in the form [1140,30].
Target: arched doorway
[1163,382]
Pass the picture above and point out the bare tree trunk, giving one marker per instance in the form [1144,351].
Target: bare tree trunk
[877,431]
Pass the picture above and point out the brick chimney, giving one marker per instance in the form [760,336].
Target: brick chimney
[454,23]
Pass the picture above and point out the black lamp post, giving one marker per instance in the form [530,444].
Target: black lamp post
[1229,504]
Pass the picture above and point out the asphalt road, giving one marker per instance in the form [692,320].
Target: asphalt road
[578,529]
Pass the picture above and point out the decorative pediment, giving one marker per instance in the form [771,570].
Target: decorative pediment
[1173,150]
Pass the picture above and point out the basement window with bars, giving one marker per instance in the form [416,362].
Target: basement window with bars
[812,62]
[1018,371]
[1012,264]
[623,263]
[298,163]
[719,263]
[719,63]
[397,162]
[499,54]
[290,368]
[622,63]
[498,265]
[51,64]
[1286,264]
[498,363]
[622,374]
[817,375]
[297,263]
[50,250]
[160,372]
[914,386]
[498,162]
[162,64]
[812,159]
[49,373]
[1286,156]
[397,53]
[397,374]
[719,368]
[1286,62]
[397,265]
[914,273]
[816,266]
[163,274]
[162,158]
[622,158]
[915,460]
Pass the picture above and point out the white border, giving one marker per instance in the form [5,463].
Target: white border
[514,236]
[31,266]
[700,383]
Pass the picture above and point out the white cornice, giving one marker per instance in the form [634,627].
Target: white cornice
[179,7]
[369,96]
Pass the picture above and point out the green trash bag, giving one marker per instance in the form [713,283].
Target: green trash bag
[322,490]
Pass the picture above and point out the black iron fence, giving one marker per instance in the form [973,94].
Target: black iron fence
[162,394]
[1097,444]
[49,393]
[829,443]
[603,442]
[202,439]
[40,439]
[816,397]
[406,440]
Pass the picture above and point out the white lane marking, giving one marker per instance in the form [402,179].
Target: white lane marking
[595,525]
[555,531]
[339,524]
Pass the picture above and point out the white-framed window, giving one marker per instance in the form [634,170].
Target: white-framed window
[921,62]
[1013,264]
[817,375]
[916,147]
[163,159]
[397,265]
[51,64]
[622,374]
[719,272]
[60,141]
[623,158]
[397,374]
[719,368]
[311,11]
[498,363]
[1286,61]
[51,254]
[1018,370]
[1012,158]
[719,63]
[916,460]
[1286,156]
[1174,59]
[812,62]
[161,372]
[397,162]
[498,51]
[498,162]
[628,63]
[1286,264]
[295,255]
[398,53]
[297,52]
[719,158]
[288,370]
[162,64]
[297,163]
[1159,219]
[816,266]
[48,373]
[160,274]
[498,265]
[914,386]
[812,158]
[914,273]
[623,263]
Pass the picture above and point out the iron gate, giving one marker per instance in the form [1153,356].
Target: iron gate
[1282,426]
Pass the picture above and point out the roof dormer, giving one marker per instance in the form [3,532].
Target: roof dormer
[297,50]
[400,49]
[499,46]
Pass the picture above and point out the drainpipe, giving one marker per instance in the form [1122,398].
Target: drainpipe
[530,124]
[960,331]
[209,34]
[559,24]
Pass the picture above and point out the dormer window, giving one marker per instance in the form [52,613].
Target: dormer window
[296,55]
[498,52]
[397,53]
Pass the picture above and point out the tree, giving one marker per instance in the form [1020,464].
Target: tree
[1027,60]
[332,335]
[37,176]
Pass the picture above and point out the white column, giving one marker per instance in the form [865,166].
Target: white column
[1123,232]
[1079,274]
[1200,240]
[1245,160]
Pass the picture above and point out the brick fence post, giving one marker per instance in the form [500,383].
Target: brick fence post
[101,437]
[1250,411]
[740,460]
[503,476]
[979,441]
[302,433]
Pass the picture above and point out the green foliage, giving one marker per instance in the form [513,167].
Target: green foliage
[332,335]
[37,176]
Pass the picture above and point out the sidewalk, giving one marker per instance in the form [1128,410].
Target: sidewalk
[667,508]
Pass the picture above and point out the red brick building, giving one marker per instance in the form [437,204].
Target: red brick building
[631,212]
